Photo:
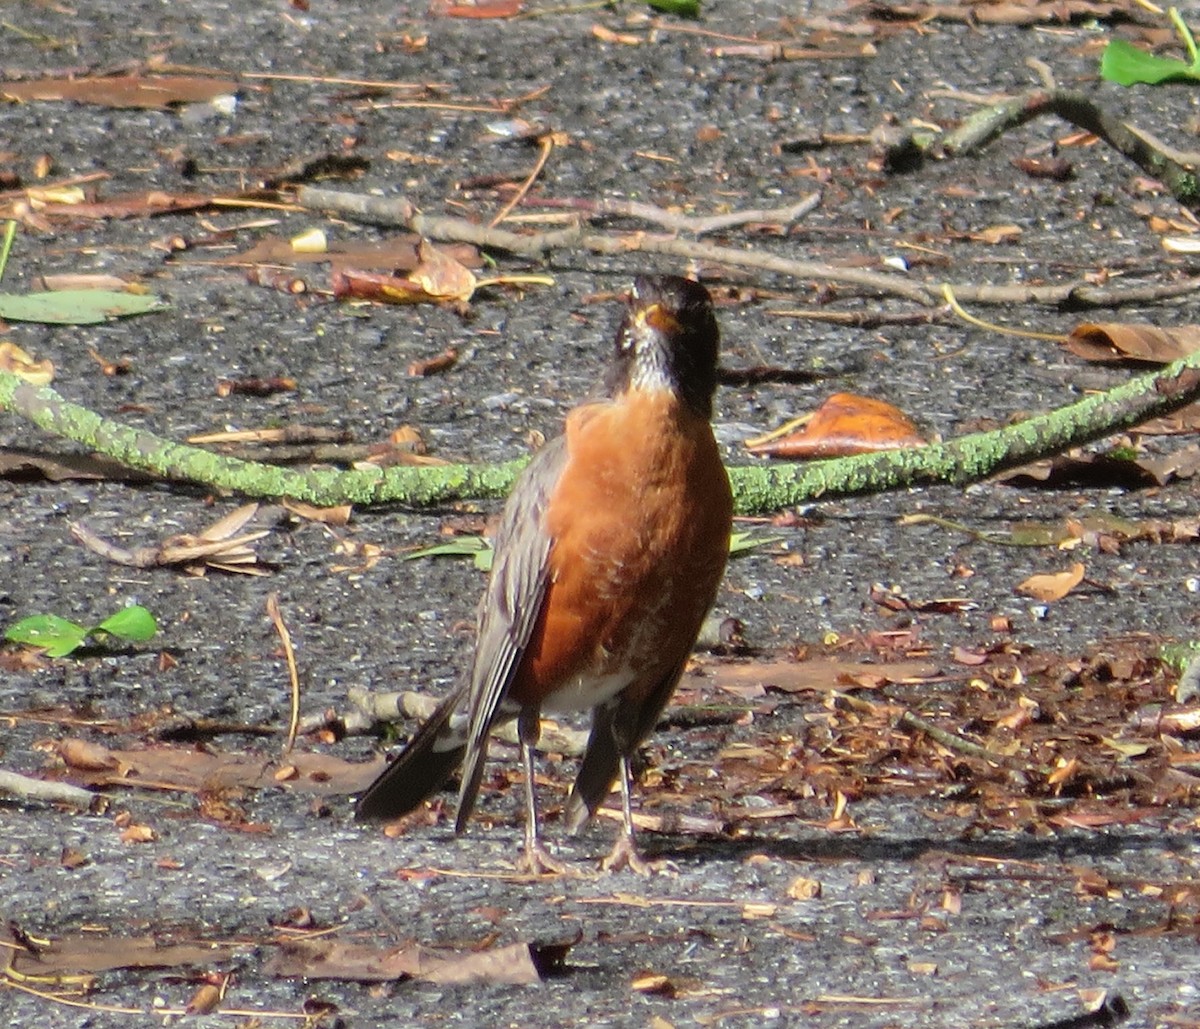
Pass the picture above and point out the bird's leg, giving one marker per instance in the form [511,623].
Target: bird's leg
[535,861]
[625,853]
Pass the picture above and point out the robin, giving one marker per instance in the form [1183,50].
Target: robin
[608,556]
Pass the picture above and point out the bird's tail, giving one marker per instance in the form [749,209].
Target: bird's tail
[422,768]
[598,771]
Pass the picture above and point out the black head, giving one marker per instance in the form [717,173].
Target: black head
[668,340]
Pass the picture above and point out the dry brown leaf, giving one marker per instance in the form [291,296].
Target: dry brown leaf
[81,280]
[329,958]
[101,952]
[440,276]
[994,234]
[442,362]
[477,9]
[1052,586]
[186,769]
[607,35]
[205,1000]
[395,254]
[88,757]
[819,674]
[339,515]
[803,888]
[138,834]
[654,984]
[1116,341]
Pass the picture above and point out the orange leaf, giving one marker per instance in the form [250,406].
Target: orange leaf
[845,424]
[146,91]
[1052,586]
[1115,341]
[478,9]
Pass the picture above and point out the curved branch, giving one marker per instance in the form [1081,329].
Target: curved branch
[757,488]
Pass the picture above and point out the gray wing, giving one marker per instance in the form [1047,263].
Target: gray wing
[509,608]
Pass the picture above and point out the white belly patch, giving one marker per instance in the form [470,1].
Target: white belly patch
[584,692]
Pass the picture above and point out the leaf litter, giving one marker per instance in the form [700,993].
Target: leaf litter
[72,959]
[1041,713]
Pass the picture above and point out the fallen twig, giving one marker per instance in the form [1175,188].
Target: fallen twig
[757,488]
[403,704]
[697,225]
[39,789]
[397,211]
[1176,169]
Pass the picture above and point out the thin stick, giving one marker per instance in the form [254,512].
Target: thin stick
[39,789]
[289,654]
[547,145]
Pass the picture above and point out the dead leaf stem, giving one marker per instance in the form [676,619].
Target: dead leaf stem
[697,225]
[289,654]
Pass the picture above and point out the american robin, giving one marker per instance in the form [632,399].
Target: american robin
[608,556]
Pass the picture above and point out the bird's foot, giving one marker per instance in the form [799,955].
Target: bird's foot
[626,855]
[536,861]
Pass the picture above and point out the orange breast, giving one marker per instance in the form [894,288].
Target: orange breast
[640,521]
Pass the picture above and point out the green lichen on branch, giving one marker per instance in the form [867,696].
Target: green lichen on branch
[757,488]
[136,448]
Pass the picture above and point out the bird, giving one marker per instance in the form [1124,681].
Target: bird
[607,558]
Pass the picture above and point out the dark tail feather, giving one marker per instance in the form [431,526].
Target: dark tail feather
[597,773]
[618,729]
[422,768]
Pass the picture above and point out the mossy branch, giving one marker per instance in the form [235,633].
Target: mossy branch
[757,488]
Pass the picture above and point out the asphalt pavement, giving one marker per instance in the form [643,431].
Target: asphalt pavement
[921,913]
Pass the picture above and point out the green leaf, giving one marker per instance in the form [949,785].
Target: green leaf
[1126,65]
[462,546]
[57,635]
[131,623]
[76,306]
[475,547]
[680,8]
[744,542]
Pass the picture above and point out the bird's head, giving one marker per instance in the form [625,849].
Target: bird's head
[667,341]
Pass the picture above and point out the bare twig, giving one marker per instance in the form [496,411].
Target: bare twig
[676,222]
[401,705]
[51,792]
[1176,169]
[397,211]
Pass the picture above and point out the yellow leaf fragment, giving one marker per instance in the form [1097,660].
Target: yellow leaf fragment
[21,364]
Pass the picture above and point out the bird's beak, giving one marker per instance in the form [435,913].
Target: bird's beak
[657,317]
